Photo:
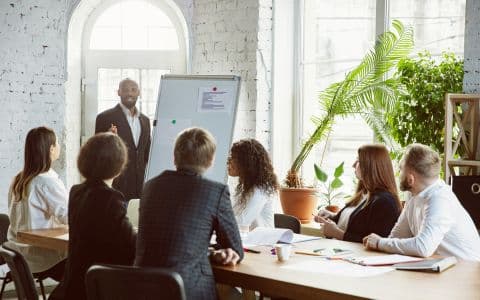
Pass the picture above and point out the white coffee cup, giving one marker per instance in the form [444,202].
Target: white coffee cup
[283,251]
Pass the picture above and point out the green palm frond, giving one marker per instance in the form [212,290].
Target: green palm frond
[366,90]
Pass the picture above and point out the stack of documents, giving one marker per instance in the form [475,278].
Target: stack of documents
[270,236]
[429,265]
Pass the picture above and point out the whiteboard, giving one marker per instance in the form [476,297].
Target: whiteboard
[184,101]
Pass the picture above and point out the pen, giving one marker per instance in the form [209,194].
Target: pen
[251,250]
[318,250]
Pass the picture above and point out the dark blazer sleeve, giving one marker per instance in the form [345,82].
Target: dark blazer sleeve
[382,216]
[122,226]
[101,124]
[149,141]
[226,226]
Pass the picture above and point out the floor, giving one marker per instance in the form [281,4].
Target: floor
[10,294]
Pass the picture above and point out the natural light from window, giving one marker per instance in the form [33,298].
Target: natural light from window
[336,36]
[134,25]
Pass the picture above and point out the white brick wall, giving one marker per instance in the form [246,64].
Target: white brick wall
[31,78]
[227,37]
[234,37]
[471,80]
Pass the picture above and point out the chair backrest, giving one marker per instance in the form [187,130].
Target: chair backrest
[287,221]
[22,277]
[126,282]
[4,223]
[132,211]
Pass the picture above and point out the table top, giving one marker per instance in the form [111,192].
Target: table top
[265,273]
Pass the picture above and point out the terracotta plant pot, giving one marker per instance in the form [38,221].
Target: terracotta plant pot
[299,202]
[332,208]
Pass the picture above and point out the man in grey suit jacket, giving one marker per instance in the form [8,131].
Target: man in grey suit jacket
[179,210]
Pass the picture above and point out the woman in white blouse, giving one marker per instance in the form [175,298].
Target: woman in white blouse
[257,184]
[38,199]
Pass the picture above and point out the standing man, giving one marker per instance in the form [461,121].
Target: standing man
[134,128]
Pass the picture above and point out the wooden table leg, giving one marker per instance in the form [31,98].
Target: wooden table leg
[248,294]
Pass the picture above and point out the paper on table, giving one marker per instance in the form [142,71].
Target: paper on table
[382,260]
[268,236]
[298,238]
[337,267]
[63,236]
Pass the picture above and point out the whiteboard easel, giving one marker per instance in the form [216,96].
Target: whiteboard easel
[184,101]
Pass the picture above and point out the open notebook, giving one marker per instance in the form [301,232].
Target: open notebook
[269,236]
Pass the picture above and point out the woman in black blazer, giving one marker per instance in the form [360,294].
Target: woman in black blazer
[99,231]
[375,207]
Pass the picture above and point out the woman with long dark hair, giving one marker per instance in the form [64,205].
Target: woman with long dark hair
[38,199]
[257,183]
[375,206]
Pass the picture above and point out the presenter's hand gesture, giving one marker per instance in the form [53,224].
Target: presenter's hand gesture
[113,129]
[225,257]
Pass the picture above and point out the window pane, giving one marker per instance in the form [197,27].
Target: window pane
[148,80]
[337,34]
[162,38]
[439,24]
[150,85]
[106,38]
[134,25]
[134,37]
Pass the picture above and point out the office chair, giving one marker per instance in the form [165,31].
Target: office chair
[287,221]
[126,282]
[20,272]
[4,223]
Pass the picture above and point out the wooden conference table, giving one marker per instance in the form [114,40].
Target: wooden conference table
[262,272]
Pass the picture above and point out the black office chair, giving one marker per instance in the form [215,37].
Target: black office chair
[20,272]
[125,282]
[286,221]
[4,223]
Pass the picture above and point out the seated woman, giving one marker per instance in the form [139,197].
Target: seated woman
[375,207]
[38,199]
[99,231]
[257,184]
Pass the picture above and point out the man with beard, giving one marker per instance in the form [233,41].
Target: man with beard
[433,220]
[134,128]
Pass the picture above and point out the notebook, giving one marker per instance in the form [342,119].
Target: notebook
[429,265]
[382,260]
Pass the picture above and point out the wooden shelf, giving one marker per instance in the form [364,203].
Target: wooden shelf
[461,132]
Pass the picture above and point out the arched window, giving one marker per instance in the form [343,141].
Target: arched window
[138,39]
[134,25]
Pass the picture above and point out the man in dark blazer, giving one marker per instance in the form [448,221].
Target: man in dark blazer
[134,129]
[179,210]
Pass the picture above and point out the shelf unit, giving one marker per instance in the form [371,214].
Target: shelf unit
[461,132]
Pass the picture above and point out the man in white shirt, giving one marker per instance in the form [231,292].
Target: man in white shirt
[433,220]
[134,128]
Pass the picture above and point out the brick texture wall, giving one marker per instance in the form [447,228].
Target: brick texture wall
[227,37]
[234,37]
[32,75]
[471,79]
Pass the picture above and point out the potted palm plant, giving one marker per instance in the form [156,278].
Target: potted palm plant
[368,90]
